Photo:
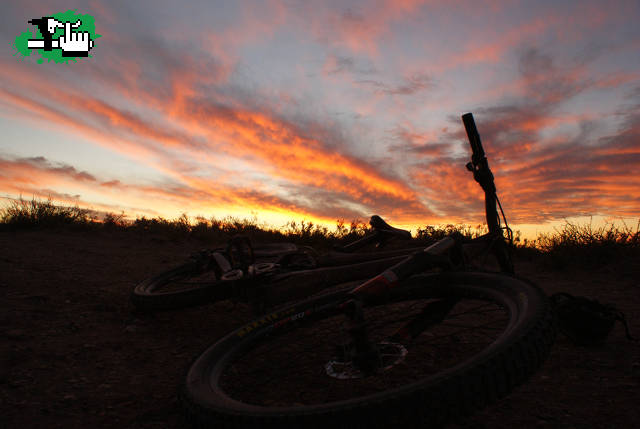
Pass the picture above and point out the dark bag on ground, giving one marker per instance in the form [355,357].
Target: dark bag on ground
[587,322]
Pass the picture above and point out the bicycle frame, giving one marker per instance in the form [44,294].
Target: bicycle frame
[447,253]
[398,264]
[255,282]
[429,340]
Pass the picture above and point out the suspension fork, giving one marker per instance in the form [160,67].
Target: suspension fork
[362,352]
[499,246]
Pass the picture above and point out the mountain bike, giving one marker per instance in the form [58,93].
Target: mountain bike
[246,272]
[426,341]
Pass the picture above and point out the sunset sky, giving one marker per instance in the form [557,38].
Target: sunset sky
[290,110]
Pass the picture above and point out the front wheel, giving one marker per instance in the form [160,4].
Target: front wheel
[290,368]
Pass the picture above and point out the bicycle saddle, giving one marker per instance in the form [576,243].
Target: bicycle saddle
[379,224]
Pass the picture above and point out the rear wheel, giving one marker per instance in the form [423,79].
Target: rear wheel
[186,285]
[211,275]
[293,366]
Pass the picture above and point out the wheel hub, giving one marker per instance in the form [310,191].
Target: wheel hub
[389,355]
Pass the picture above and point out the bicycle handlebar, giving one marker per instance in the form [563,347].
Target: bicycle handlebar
[481,172]
[483,175]
[474,137]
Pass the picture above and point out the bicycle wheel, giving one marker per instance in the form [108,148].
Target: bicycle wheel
[186,285]
[285,369]
[198,281]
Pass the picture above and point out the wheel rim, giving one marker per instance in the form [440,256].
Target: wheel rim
[293,367]
[181,281]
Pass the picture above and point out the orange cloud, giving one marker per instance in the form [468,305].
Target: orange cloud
[41,178]
[195,127]
[302,160]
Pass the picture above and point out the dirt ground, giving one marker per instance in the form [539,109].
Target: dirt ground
[74,354]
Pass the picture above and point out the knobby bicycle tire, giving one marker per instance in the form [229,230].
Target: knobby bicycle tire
[213,393]
[198,285]
[155,293]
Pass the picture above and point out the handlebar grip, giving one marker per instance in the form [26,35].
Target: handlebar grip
[474,137]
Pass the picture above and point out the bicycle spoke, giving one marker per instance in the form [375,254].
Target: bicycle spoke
[292,359]
[458,332]
[474,310]
[470,327]
[470,343]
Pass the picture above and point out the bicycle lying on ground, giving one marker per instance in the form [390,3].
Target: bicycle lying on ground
[247,272]
[426,341]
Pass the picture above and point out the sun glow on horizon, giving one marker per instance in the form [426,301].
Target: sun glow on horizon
[325,111]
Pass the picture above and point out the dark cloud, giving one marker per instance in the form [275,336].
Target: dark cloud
[111,184]
[515,126]
[581,175]
[546,82]
[340,205]
[338,64]
[60,196]
[538,178]
[409,86]
[58,168]
[351,16]
[417,143]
